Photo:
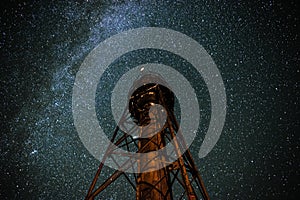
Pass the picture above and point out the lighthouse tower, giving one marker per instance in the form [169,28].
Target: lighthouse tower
[157,177]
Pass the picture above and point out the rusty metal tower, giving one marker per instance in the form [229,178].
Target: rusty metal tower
[181,175]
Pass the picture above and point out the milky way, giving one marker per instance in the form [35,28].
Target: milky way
[255,46]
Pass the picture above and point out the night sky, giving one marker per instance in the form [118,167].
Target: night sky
[255,46]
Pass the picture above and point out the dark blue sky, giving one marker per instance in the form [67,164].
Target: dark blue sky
[254,44]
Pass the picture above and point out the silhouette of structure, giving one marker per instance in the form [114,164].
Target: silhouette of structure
[151,183]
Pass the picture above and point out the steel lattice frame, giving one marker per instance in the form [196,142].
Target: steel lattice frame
[190,180]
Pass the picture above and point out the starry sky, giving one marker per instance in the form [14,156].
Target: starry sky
[255,45]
